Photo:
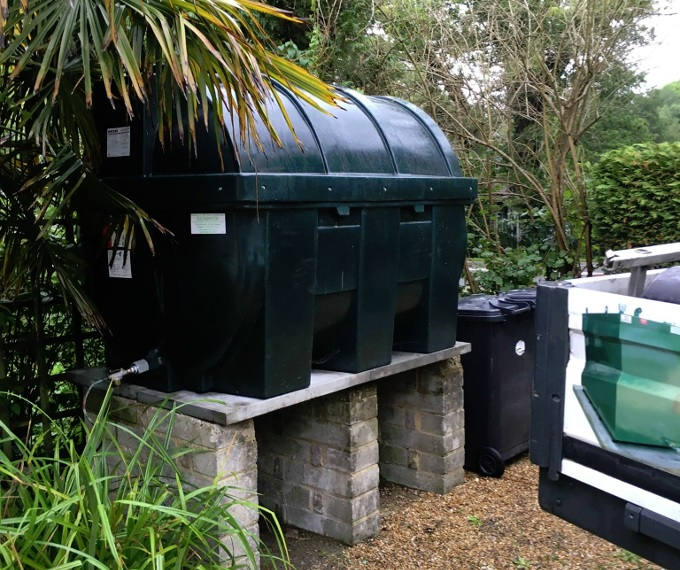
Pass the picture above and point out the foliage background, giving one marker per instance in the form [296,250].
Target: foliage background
[635,196]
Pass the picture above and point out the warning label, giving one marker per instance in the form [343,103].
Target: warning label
[208,224]
[120,264]
[118,142]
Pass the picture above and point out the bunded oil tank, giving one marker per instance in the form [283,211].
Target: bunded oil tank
[324,254]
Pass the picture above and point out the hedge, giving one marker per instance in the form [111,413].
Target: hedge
[635,196]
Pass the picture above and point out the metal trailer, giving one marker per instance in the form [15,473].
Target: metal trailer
[606,406]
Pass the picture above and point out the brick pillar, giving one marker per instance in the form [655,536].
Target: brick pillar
[227,454]
[421,427]
[318,464]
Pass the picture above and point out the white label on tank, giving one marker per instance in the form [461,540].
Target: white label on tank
[202,224]
[675,330]
[121,267]
[520,347]
[118,142]
[626,319]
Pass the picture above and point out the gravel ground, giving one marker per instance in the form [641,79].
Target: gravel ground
[485,524]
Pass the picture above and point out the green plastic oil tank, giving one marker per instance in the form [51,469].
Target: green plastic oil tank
[631,377]
[284,258]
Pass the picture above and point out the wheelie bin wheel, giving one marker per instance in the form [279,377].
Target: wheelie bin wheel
[490,462]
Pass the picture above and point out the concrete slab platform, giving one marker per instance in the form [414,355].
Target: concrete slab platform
[227,409]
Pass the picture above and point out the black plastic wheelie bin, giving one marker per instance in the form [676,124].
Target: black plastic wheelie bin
[498,376]
[281,258]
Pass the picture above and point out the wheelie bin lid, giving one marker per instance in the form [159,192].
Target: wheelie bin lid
[527,295]
[493,308]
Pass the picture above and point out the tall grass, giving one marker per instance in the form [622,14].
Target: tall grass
[107,508]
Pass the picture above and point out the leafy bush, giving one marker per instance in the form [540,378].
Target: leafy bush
[494,269]
[512,269]
[75,509]
[635,196]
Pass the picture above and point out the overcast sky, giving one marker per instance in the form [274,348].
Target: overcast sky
[661,59]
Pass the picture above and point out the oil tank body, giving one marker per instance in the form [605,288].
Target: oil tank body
[283,256]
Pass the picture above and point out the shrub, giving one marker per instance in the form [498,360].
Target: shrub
[493,270]
[72,510]
[635,196]
[511,269]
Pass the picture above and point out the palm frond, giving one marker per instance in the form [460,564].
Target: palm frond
[36,205]
[186,46]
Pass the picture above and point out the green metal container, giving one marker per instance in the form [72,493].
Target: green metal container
[288,257]
[631,377]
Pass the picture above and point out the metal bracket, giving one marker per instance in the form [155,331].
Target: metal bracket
[638,260]
[636,284]
[652,524]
